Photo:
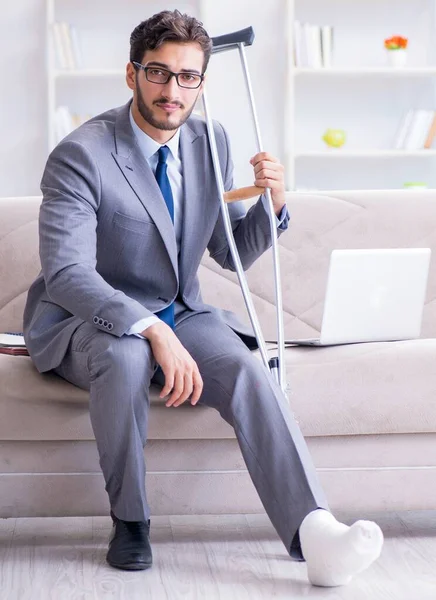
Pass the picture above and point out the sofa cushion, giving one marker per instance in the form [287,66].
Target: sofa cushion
[372,388]
[35,406]
[352,389]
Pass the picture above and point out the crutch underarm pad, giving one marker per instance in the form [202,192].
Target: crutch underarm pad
[232,40]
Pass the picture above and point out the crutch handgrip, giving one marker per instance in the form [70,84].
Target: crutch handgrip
[243,193]
[230,41]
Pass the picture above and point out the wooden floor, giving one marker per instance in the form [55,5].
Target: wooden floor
[209,558]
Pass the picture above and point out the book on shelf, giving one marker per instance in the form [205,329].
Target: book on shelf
[431,133]
[59,46]
[327,46]
[416,130]
[313,45]
[66,46]
[313,41]
[13,344]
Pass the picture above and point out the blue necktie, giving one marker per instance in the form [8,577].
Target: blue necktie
[167,314]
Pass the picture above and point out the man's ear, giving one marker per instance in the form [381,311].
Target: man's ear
[131,76]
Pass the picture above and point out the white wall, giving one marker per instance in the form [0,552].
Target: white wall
[266,63]
[23,97]
[23,118]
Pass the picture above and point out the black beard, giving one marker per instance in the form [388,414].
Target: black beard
[147,114]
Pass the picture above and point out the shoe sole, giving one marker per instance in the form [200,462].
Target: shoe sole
[131,566]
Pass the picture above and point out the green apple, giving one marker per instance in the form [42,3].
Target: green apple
[334,137]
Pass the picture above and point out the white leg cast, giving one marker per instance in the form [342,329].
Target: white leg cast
[334,552]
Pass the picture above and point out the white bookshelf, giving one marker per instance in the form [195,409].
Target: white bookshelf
[103,30]
[361,94]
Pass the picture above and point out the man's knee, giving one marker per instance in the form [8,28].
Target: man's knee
[237,371]
[128,357]
[244,362]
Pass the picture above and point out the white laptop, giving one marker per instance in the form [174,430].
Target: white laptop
[373,295]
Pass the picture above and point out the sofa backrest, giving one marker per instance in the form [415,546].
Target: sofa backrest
[19,257]
[319,223]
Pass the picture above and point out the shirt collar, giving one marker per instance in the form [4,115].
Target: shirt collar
[148,145]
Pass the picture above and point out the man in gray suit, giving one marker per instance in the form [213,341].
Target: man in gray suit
[129,207]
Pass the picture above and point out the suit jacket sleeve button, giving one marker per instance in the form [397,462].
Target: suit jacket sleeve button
[95,319]
[110,326]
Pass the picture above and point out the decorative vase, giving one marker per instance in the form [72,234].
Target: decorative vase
[397,58]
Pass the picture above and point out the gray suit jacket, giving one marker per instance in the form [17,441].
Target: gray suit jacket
[107,245]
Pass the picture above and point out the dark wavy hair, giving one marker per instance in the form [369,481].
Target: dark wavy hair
[168,26]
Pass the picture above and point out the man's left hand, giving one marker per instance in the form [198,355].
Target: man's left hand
[269,172]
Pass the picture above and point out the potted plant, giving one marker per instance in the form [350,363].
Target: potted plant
[396,47]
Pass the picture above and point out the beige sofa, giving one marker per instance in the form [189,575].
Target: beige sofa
[368,411]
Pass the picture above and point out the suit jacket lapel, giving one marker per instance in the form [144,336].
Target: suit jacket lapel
[141,179]
[198,215]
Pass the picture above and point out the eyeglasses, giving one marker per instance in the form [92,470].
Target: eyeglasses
[191,81]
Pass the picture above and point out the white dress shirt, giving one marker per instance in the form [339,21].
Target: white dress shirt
[150,148]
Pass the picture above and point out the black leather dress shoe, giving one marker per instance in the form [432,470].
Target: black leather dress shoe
[129,545]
